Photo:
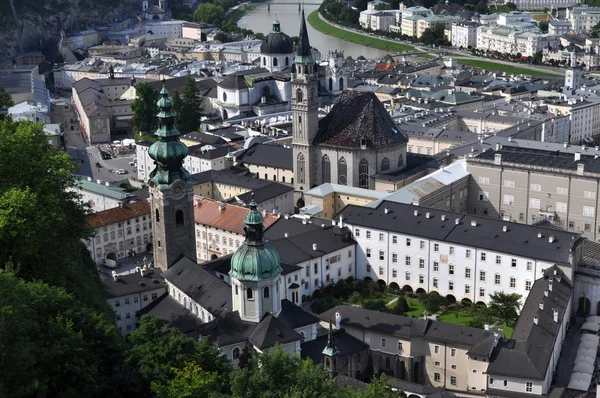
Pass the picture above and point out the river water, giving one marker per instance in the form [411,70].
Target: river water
[261,20]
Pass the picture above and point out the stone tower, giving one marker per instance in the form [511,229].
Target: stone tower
[305,107]
[336,79]
[256,282]
[572,76]
[171,192]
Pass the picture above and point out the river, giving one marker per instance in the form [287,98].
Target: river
[261,20]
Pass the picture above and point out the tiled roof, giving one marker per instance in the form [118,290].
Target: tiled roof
[344,342]
[229,218]
[228,328]
[268,155]
[176,315]
[270,331]
[200,285]
[132,284]
[129,210]
[293,316]
[358,115]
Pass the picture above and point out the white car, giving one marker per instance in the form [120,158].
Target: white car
[121,171]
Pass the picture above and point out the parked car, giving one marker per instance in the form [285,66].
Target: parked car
[121,171]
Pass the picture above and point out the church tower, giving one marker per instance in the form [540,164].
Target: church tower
[305,109]
[572,76]
[171,192]
[256,281]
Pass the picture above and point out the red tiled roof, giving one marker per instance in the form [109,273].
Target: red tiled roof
[386,66]
[230,218]
[119,214]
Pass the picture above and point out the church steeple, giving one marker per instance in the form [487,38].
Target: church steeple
[330,353]
[167,152]
[303,53]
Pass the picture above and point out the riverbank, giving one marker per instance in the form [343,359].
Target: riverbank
[490,65]
[314,19]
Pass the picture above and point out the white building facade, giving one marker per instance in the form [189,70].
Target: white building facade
[464,34]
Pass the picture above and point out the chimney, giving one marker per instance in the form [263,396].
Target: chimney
[333,223]
[428,215]
[486,327]
[565,144]
[416,213]
[577,156]
[314,246]
[580,168]
[498,146]
[550,286]
[539,235]
[386,210]
[558,278]
[546,293]
[551,238]
[304,222]
[287,216]
[285,235]
[89,178]
[98,182]
[504,228]
[106,183]
[338,320]
[509,139]
[535,319]
[498,158]
[473,223]
[443,217]
[457,221]
[197,201]
[542,305]
[341,221]
[222,207]
[115,276]
[555,314]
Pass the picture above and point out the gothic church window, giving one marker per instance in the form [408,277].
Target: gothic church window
[330,84]
[157,216]
[341,83]
[326,169]
[385,164]
[300,166]
[363,174]
[249,294]
[266,292]
[342,172]
[274,61]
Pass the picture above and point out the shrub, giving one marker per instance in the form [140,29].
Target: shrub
[321,305]
[374,304]
[433,301]
[402,306]
[355,298]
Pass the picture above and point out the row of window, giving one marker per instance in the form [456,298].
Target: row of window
[136,300]
[528,385]
[113,235]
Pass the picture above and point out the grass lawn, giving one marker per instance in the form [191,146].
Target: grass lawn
[463,319]
[490,65]
[416,308]
[324,27]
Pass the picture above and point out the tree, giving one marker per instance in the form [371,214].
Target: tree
[223,37]
[189,382]
[53,345]
[402,306]
[435,36]
[433,301]
[506,305]
[189,107]
[144,108]
[5,100]
[543,25]
[209,13]
[374,304]
[380,388]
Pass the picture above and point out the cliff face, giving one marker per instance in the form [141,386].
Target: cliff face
[31,23]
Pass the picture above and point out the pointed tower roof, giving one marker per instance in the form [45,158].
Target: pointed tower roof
[330,349]
[167,152]
[303,53]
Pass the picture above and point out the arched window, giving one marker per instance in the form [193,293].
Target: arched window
[235,353]
[274,61]
[299,95]
[330,84]
[341,83]
[342,172]
[224,97]
[249,294]
[156,216]
[179,217]
[287,61]
[282,178]
[400,160]
[300,167]
[385,164]
[363,174]
[266,292]
[264,61]
[326,169]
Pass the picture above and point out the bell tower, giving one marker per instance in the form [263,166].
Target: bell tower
[171,192]
[305,107]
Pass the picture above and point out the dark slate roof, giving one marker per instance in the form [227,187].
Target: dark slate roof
[295,317]
[200,285]
[405,327]
[528,353]
[227,328]
[227,176]
[166,307]
[483,348]
[204,139]
[264,193]
[345,343]
[358,114]
[210,154]
[292,227]
[519,239]
[414,387]
[270,331]
[237,80]
[132,284]
[342,381]
[275,156]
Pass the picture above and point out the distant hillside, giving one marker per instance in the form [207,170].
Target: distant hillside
[41,20]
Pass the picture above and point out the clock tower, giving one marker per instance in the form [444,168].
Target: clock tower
[171,192]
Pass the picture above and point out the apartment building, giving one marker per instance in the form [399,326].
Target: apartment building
[100,195]
[583,18]
[527,182]
[220,228]
[464,34]
[509,40]
[411,17]
[327,199]
[121,231]
[270,162]
[584,115]
[540,5]
[462,257]
[127,295]
[227,186]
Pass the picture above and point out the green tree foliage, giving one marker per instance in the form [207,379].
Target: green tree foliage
[144,108]
[402,306]
[433,302]
[5,100]
[323,304]
[377,304]
[209,13]
[189,382]
[543,25]
[340,13]
[506,305]
[52,345]
[184,13]
[434,36]
[223,37]
[595,32]
[380,388]
[188,106]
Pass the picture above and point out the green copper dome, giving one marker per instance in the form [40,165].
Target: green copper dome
[254,260]
[167,152]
